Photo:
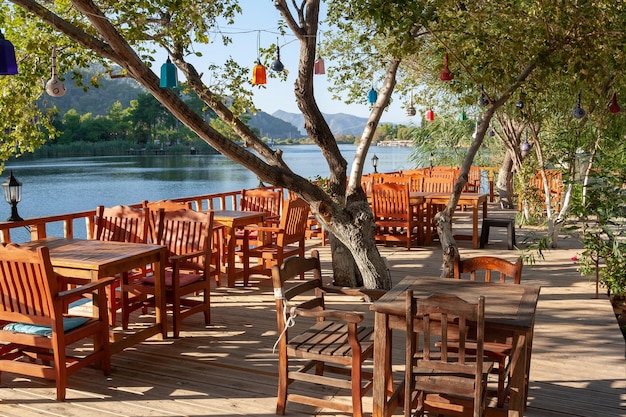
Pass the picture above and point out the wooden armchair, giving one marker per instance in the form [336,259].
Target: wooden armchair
[36,335]
[282,242]
[496,350]
[395,220]
[438,379]
[187,235]
[121,224]
[331,351]
[170,205]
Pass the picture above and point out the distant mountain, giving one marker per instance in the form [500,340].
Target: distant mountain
[340,123]
[273,127]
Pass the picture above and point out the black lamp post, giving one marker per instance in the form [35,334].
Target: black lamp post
[13,194]
[375,163]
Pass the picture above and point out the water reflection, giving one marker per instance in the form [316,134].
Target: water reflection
[62,185]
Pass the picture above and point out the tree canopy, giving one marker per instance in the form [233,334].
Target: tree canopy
[540,53]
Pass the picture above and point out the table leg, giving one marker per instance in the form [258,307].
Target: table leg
[518,375]
[230,256]
[159,296]
[475,225]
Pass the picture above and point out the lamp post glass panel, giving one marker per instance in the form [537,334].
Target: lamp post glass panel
[12,194]
[375,163]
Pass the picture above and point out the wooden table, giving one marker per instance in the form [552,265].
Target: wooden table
[475,200]
[231,220]
[509,313]
[95,259]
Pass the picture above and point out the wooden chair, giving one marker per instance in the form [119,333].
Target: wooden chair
[283,241]
[498,351]
[489,265]
[153,210]
[395,220]
[331,351]
[121,224]
[437,185]
[474,178]
[267,201]
[170,205]
[187,235]
[35,333]
[438,379]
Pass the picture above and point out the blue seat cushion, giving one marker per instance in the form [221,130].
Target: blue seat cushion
[69,323]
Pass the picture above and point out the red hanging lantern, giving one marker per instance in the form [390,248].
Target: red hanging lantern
[446,75]
[318,66]
[258,74]
[430,115]
[614,107]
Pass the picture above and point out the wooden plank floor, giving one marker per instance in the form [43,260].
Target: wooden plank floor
[228,368]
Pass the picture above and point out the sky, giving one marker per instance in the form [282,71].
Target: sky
[258,25]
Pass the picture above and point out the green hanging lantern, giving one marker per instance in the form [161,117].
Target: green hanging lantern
[169,75]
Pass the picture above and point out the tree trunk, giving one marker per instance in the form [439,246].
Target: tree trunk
[504,184]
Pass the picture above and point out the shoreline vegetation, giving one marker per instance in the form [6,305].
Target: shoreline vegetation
[130,147]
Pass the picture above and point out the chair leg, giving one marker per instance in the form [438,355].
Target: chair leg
[283,382]
[357,398]
[502,372]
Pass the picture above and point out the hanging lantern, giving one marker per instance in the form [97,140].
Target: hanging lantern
[410,111]
[526,146]
[614,107]
[372,96]
[446,75]
[482,100]
[258,74]
[463,116]
[318,66]
[277,65]
[8,62]
[169,75]
[54,86]
[578,112]
[430,115]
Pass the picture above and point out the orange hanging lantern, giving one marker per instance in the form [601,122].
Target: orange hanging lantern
[614,107]
[258,74]
[446,75]
[430,115]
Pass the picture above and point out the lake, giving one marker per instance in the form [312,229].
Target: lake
[65,185]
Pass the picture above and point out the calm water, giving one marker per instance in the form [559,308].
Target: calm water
[64,185]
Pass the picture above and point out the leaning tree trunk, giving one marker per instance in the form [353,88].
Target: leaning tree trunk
[504,183]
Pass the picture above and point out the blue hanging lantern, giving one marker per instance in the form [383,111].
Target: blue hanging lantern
[169,75]
[372,96]
[8,62]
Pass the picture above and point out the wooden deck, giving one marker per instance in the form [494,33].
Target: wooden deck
[228,369]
